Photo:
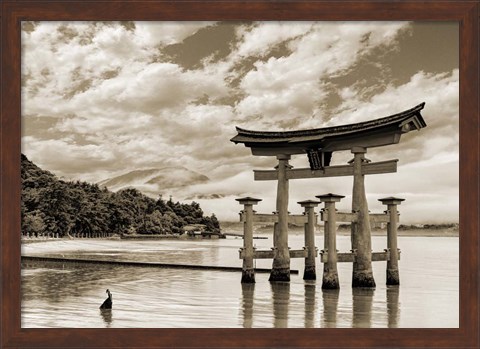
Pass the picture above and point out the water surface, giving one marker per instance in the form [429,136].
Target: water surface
[67,295]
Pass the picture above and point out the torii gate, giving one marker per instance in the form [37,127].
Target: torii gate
[319,144]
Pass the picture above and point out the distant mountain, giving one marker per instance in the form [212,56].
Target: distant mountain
[205,196]
[155,180]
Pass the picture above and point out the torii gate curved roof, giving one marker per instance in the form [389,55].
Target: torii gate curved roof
[373,133]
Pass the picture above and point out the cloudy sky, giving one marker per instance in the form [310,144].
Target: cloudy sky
[101,99]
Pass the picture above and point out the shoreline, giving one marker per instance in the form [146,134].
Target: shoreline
[262,235]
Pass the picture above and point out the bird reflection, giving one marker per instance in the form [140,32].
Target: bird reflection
[281,298]
[362,307]
[393,309]
[107,316]
[330,306]
[248,291]
[309,304]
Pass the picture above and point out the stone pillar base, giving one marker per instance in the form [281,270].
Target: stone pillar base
[278,274]
[248,276]
[330,281]
[310,273]
[363,279]
[393,278]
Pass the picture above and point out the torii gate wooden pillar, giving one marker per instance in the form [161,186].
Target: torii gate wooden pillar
[281,260]
[361,231]
[319,144]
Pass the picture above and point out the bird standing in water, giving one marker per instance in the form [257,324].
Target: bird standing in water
[108,302]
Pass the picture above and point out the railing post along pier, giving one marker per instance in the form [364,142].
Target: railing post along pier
[248,272]
[281,260]
[393,277]
[361,232]
[330,272]
[310,272]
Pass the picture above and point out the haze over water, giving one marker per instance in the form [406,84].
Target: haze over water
[67,295]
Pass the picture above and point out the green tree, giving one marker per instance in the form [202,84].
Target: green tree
[154,223]
[33,223]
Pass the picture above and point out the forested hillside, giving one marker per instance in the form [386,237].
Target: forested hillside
[56,207]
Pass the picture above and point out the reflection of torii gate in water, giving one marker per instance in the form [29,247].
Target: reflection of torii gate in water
[319,144]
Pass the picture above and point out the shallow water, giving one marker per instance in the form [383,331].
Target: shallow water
[66,295]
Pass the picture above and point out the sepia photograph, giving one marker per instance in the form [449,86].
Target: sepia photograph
[240,174]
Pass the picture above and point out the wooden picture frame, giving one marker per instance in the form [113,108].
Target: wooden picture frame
[13,12]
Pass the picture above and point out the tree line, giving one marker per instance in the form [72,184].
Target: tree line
[51,206]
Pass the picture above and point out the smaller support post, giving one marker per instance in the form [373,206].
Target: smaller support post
[248,272]
[310,272]
[330,273]
[393,277]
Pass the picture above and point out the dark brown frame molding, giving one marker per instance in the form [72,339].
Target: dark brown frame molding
[466,12]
